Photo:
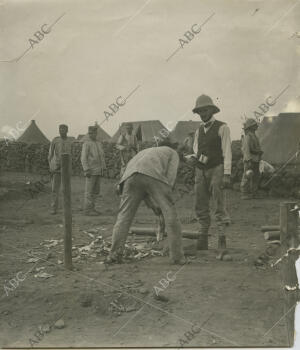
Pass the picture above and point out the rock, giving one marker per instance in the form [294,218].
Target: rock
[59,324]
[227,257]
[221,255]
[160,297]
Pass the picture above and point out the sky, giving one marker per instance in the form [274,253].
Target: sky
[99,50]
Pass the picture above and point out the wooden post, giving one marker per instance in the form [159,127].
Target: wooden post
[66,188]
[289,239]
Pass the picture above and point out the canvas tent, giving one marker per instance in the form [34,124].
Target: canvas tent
[148,129]
[279,137]
[183,128]
[101,135]
[33,135]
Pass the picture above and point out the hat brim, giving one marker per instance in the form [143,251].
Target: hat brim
[213,107]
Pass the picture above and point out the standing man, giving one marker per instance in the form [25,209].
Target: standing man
[93,163]
[128,146]
[251,157]
[212,148]
[59,145]
[151,173]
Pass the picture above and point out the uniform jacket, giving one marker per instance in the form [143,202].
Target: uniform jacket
[160,163]
[92,157]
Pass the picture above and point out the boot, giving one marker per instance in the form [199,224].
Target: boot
[222,242]
[202,242]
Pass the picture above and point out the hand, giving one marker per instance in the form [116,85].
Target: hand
[191,161]
[226,181]
[87,173]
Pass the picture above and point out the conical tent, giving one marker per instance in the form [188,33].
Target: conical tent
[33,135]
[279,137]
[183,128]
[101,135]
[148,130]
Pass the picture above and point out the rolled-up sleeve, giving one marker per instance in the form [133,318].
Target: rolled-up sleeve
[224,133]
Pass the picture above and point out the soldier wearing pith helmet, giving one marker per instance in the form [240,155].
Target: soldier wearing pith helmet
[212,151]
[251,157]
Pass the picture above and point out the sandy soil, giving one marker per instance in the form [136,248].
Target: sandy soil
[234,302]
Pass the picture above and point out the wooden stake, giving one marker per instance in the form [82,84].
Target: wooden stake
[66,188]
[289,239]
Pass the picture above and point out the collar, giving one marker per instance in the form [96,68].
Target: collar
[209,123]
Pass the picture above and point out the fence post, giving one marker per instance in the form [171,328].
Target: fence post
[66,188]
[289,239]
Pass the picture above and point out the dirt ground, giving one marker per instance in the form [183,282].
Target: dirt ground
[236,303]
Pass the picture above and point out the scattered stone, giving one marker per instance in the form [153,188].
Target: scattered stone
[60,324]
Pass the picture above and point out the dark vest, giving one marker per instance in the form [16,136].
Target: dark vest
[210,145]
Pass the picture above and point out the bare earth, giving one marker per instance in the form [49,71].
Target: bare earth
[236,302]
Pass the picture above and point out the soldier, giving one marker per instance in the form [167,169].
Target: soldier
[59,145]
[128,146]
[251,157]
[151,173]
[93,163]
[212,148]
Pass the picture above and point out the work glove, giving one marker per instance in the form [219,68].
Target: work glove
[226,181]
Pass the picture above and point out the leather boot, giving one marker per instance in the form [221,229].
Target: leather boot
[202,242]
[222,242]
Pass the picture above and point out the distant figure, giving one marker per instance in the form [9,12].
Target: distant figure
[59,145]
[27,163]
[212,158]
[151,173]
[128,146]
[93,163]
[251,157]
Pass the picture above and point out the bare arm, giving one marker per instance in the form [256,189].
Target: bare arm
[224,133]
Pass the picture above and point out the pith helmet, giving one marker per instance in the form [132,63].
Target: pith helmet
[250,122]
[205,101]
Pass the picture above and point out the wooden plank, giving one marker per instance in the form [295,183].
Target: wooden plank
[270,228]
[289,239]
[146,231]
[272,235]
[66,189]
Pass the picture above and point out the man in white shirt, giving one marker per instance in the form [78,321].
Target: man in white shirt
[151,173]
[212,148]
[93,163]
